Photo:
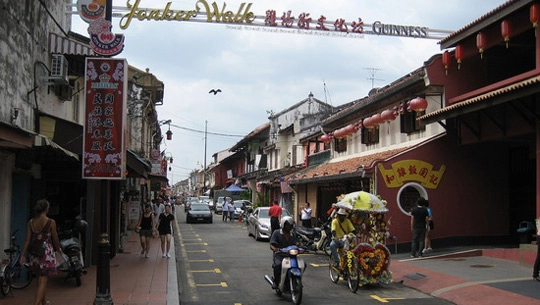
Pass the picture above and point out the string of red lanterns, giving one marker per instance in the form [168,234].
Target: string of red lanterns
[416,104]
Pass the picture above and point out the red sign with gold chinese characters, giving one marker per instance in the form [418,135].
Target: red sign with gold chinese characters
[104,154]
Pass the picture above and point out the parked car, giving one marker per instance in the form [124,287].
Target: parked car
[199,212]
[188,204]
[258,224]
[242,206]
[219,206]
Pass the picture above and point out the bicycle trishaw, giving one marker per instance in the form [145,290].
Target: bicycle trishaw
[366,258]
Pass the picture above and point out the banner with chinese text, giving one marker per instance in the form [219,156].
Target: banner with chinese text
[104,154]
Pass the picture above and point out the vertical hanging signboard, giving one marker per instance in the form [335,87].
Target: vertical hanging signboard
[104,153]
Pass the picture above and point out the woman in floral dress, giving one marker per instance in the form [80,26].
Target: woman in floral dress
[42,266]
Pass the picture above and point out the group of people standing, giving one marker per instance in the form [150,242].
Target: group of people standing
[156,221]
[227,209]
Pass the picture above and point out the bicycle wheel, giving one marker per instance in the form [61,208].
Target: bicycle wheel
[334,271]
[5,286]
[20,276]
[354,278]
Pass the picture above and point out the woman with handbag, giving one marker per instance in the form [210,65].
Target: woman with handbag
[41,243]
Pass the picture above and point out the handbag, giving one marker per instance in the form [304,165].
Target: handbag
[38,243]
[431,225]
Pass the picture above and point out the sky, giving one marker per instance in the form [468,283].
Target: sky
[259,71]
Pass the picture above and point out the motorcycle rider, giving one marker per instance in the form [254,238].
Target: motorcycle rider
[281,238]
[341,226]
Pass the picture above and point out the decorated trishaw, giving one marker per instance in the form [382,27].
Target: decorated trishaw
[368,214]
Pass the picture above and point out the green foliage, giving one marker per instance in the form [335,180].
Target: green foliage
[262,199]
[245,195]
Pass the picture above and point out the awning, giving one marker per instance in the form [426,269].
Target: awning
[64,45]
[137,167]
[43,141]
[157,178]
[506,93]
[14,137]
[353,167]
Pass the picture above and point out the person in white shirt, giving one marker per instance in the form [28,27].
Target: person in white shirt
[305,215]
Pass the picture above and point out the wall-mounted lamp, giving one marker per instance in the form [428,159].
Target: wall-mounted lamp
[169,134]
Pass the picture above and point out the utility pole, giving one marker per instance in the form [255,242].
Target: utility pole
[204,168]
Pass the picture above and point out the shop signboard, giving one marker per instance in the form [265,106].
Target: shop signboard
[104,153]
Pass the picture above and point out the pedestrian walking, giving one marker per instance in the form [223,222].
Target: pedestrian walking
[230,207]
[147,226]
[274,212]
[166,227]
[224,209]
[419,218]
[41,243]
[305,215]
[159,208]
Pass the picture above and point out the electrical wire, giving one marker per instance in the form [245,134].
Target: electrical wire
[207,132]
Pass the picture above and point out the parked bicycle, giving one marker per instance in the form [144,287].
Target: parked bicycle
[348,266]
[12,273]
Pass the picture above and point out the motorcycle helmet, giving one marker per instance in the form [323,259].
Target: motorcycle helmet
[80,226]
[287,223]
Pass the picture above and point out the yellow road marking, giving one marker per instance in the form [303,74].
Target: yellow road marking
[200,251]
[383,300]
[318,265]
[222,284]
[201,260]
[217,270]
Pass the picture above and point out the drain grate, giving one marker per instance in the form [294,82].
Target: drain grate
[482,266]
[415,276]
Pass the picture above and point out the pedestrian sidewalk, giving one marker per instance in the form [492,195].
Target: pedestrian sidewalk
[134,280]
[468,277]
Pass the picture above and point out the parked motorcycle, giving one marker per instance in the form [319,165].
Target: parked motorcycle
[316,239]
[73,263]
[292,268]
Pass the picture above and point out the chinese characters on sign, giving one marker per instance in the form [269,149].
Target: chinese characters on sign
[105,90]
[272,21]
[412,170]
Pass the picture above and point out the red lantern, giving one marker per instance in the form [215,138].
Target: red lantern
[402,108]
[506,31]
[446,60]
[368,123]
[418,104]
[388,115]
[534,15]
[481,43]
[349,129]
[325,138]
[376,119]
[459,55]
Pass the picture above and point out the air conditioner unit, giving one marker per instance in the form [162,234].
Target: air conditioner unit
[65,93]
[59,70]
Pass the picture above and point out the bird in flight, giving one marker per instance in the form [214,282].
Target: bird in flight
[215,91]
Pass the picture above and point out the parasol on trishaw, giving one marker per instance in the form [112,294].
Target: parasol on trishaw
[362,201]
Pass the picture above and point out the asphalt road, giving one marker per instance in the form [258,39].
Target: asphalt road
[219,264]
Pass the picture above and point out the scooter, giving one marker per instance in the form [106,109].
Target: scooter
[315,239]
[73,263]
[292,268]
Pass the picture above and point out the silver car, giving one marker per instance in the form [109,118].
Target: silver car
[259,223]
